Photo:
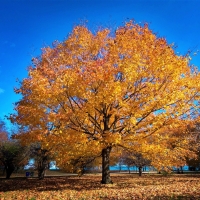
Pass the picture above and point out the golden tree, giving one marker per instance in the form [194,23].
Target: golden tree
[93,92]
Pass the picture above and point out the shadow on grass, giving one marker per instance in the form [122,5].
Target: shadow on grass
[50,183]
[92,182]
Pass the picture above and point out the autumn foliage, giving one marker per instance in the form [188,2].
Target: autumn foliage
[87,187]
[96,91]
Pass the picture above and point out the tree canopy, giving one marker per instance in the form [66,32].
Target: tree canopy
[95,91]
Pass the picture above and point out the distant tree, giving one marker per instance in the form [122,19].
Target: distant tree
[95,165]
[3,137]
[135,159]
[81,164]
[42,158]
[12,156]
[3,132]
[194,163]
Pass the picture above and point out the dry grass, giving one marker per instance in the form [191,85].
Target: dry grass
[125,186]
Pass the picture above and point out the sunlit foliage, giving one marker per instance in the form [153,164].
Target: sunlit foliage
[93,92]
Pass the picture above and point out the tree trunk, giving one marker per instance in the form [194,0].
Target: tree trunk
[181,171]
[41,169]
[105,166]
[9,170]
[140,171]
[4,170]
[120,167]
[41,173]
[129,169]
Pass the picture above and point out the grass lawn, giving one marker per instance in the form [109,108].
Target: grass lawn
[125,186]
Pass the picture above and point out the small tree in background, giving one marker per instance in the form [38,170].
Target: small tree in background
[135,159]
[80,165]
[12,155]
[42,157]
[194,163]
[3,137]
[3,132]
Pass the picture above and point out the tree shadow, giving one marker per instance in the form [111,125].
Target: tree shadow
[92,182]
[49,183]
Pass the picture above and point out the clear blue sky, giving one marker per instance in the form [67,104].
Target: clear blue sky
[28,25]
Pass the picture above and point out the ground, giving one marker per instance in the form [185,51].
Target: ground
[126,186]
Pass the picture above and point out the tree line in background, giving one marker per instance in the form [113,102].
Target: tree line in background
[98,94]
[14,156]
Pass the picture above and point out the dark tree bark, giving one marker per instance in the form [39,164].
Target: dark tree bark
[41,169]
[106,179]
[3,170]
[120,167]
[181,171]
[140,171]
[41,173]
[129,171]
[9,170]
